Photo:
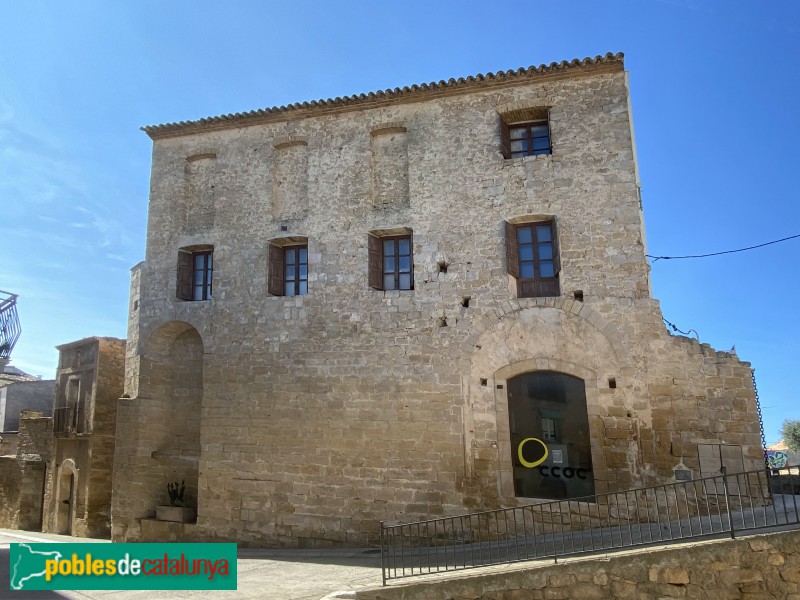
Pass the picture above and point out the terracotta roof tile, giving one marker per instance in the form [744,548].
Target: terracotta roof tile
[263,115]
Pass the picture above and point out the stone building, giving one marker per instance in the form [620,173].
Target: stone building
[23,474]
[20,392]
[26,403]
[404,304]
[77,499]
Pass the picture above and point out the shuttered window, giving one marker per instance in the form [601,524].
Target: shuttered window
[288,270]
[391,262]
[532,257]
[195,275]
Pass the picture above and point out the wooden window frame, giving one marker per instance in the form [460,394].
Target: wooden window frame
[536,286]
[377,261]
[505,133]
[276,283]
[186,287]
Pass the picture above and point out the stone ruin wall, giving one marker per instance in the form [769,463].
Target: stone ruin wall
[22,475]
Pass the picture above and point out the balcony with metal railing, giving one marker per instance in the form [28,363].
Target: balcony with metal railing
[9,323]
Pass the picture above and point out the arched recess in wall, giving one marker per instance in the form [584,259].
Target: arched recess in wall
[290,178]
[389,165]
[172,382]
[199,191]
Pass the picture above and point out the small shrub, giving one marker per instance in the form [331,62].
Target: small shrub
[176,493]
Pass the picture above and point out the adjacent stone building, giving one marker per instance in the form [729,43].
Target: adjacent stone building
[20,392]
[23,474]
[77,499]
[410,303]
[26,403]
[58,479]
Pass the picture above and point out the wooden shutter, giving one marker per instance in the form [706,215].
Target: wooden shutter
[512,252]
[183,287]
[556,253]
[375,273]
[505,139]
[275,271]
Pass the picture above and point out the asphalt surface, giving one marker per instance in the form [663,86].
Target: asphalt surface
[268,574]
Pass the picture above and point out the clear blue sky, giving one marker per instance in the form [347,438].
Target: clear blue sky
[715,92]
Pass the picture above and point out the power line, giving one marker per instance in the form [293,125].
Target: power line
[656,258]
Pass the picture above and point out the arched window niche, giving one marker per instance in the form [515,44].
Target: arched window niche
[549,434]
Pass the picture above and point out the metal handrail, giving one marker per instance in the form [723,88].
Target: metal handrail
[728,503]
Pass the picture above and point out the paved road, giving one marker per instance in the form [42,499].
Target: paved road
[268,574]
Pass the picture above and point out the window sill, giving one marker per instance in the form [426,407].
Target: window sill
[522,159]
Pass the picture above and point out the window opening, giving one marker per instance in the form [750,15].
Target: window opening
[391,264]
[532,256]
[526,139]
[295,262]
[288,270]
[203,268]
[195,275]
[397,263]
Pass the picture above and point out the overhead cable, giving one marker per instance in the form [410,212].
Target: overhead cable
[656,258]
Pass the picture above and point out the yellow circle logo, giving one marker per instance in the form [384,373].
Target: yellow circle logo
[535,463]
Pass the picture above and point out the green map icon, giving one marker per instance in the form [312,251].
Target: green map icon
[28,564]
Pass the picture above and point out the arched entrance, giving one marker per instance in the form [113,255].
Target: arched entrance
[65,497]
[549,431]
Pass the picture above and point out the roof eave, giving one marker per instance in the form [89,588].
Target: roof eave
[416,93]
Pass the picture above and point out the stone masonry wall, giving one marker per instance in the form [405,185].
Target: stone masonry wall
[761,567]
[321,415]
[8,443]
[36,437]
[108,389]
[22,475]
[10,478]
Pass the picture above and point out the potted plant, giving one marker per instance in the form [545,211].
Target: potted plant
[179,509]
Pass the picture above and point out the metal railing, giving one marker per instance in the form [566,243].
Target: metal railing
[10,329]
[713,506]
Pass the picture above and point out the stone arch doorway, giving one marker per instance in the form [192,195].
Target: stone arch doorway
[549,436]
[66,495]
